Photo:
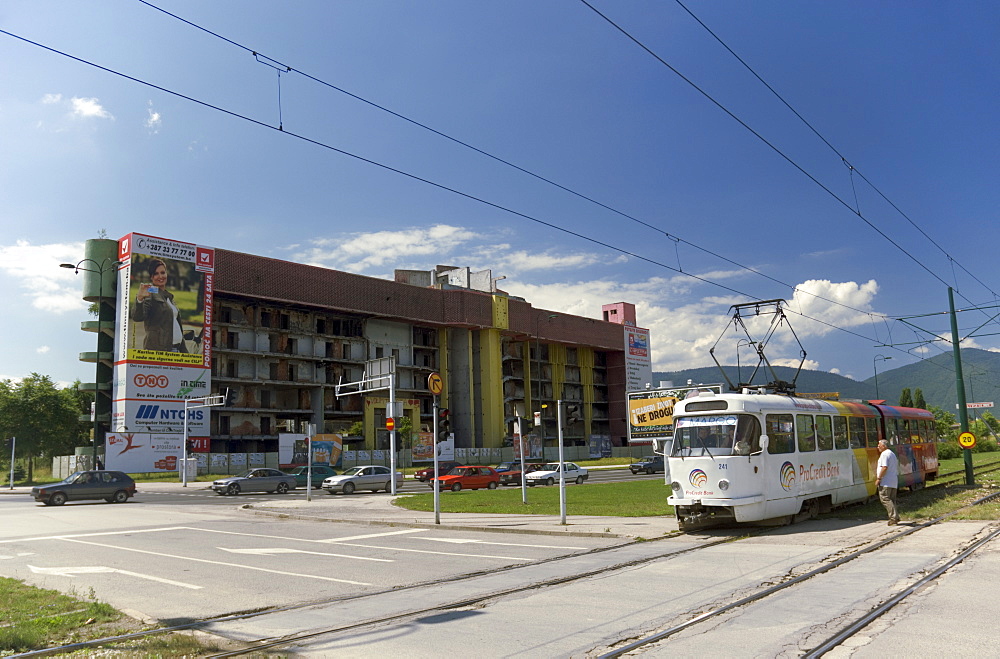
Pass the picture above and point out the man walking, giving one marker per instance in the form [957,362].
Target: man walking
[887,480]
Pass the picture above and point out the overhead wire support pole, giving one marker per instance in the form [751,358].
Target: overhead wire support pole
[963,412]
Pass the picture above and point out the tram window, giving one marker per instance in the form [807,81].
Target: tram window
[747,436]
[893,430]
[840,432]
[806,432]
[824,433]
[857,428]
[779,433]
[871,427]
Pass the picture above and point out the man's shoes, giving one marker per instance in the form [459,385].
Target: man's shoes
[893,522]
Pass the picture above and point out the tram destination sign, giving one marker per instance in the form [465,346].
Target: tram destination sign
[976,406]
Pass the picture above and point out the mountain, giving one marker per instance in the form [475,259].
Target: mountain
[934,376]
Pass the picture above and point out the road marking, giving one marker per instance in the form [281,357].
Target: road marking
[469,541]
[98,569]
[203,560]
[93,535]
[19,554]
[281,550]
[373,535]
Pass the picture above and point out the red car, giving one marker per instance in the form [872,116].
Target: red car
[512,476]
[470,477]
[444,466]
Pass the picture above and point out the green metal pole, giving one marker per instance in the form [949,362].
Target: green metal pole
[963,412]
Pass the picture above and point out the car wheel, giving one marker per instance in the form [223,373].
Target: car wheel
[457,487]
[649,472]
[531,483]
[233,489]
[550,481]
[348,488]
[492,486]
[579,480]
[121,496]
[282,488]
[57,499]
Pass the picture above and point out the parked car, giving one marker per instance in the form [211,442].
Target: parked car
[367,477]
[255,480]
[549,474]
[319,474]
[444,466]
[468,477]
[650,464]
[513,475]
[112,486]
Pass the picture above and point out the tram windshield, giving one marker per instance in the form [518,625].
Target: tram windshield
[716,435]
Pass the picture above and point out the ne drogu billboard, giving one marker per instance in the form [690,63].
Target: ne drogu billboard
[163,349]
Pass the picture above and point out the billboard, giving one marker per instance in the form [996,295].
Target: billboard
[163,348]
[133,452]
[638,358]
[651,412]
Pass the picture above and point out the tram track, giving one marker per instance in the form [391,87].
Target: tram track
[285,641]
[627,646]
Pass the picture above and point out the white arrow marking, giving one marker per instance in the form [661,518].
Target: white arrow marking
[97,569]
[4,557]
[373,535]
[280,550]
[467,541]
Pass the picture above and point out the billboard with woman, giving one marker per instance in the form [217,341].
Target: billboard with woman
[163,342]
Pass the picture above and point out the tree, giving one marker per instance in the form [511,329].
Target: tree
[918,398]
[41,416]
[946,424]
[905,398]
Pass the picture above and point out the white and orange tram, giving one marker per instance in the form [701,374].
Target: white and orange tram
[755,456]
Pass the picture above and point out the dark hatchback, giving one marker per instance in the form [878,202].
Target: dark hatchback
[650,464]
[112,486]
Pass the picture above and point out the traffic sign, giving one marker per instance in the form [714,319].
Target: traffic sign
[390,423]
[967,440]
[976,406]
[435,383]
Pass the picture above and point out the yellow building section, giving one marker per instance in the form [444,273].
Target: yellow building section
[585,358]
[442,365]
[491,388]
[501,312]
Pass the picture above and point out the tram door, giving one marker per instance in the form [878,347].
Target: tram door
[782,483]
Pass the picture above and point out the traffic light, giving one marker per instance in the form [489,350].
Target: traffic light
[230,397]
[444,423]
[573,413]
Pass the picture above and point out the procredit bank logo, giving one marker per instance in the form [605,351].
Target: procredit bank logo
[787,476]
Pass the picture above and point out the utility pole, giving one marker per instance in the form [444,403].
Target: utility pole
[963,412]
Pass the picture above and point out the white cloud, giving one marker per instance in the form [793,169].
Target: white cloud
[39,278]
[154,119]
[41,350]
[89,107]
[50,99]
[360,252]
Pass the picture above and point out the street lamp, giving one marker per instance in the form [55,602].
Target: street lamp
[103,266]
[875,368]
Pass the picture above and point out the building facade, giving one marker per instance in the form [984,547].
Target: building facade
[283,335]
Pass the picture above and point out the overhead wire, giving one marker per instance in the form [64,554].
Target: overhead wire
[285,67]
[853,170]
[415,177]
[770,145]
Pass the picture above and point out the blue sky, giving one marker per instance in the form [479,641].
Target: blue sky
[905,91]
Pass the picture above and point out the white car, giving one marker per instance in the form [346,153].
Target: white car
[368,477]
[549,474]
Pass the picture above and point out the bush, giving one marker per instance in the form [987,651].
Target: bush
[949,450]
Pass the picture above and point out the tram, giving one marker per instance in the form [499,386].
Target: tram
[758,456]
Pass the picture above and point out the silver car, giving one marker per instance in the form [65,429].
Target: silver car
[255,480]
[367,477]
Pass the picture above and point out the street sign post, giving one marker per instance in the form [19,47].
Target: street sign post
[967,440]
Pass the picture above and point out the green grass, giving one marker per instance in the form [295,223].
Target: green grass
[645,498]
[36,618]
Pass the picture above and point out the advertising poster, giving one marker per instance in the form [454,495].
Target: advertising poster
[220,463]
[423,446]
[292,449]
[142,452]
[600,446]
[327,450]
[532,447]
[651,412]
[163,343]
[638,358]
[256,459]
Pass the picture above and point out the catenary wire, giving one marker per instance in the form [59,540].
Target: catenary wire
[765,141]
[284,67]
[852,168]
[415,177]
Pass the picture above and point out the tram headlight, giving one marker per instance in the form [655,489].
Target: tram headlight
[724,485]
[675,486]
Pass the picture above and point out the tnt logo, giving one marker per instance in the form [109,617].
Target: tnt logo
[204,259]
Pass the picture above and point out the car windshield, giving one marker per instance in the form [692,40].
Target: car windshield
[354,471]
[72,477]
[244,474]
[300,470]
[552,466]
